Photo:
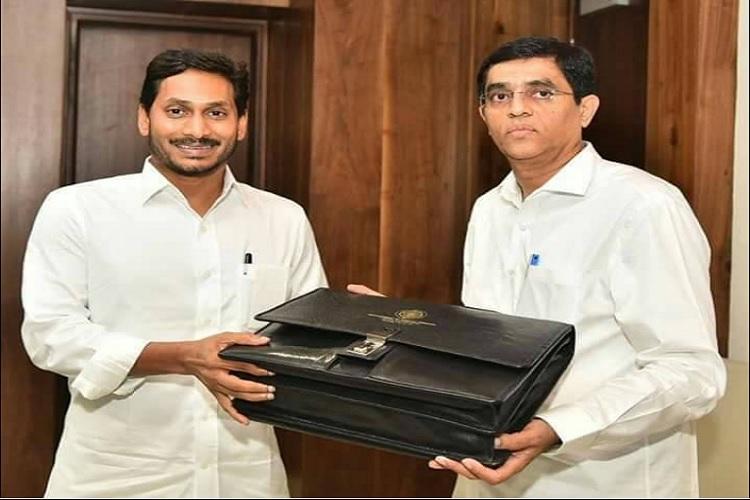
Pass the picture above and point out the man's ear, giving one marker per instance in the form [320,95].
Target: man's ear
[481,113]
[588,107]
[242,127]
[144,124]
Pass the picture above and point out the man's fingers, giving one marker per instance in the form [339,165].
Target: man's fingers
[243,338]
[226,403]
[363,290]
[512,442]
[457,467]
[236,386]
[432,464]
[254,397]
[515,441]
[512,466]
[239,366]
[536,434]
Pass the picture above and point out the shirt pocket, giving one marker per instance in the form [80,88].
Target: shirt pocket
[549,293]
[263,287]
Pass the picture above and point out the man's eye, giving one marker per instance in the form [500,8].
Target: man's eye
[544,94]
[217,113]
[499,96]
[175,112]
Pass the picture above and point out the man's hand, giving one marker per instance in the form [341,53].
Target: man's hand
[201,358]
[363,290]
[534,439]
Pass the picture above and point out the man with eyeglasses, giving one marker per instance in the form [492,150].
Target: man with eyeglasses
[616,252]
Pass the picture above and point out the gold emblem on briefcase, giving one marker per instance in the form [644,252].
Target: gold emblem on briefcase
[411,314]
[405,317]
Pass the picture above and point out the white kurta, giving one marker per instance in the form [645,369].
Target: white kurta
[618,253]
[115,263]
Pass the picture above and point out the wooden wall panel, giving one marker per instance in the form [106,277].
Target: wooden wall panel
[619,129]
[399,154]
[424,148]
[289,106]
[690,120]
[345,171]
[345,177]
[32,117]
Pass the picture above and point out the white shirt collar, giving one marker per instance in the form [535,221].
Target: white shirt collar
[154,182]
[573,178]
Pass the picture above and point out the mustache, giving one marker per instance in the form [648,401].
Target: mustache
[188,141]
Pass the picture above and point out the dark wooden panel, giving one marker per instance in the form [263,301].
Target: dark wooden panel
[690,120]
[399,153]
[532,17]
[346,138]
[619,129]
[33,51]
[428,89]
[289,108]
[345,197]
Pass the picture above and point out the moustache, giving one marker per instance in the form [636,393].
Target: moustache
[194,142]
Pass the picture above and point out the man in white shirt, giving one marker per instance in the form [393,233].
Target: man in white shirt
[616,252]
[133,284]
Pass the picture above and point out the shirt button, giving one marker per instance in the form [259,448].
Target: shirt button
[523,226]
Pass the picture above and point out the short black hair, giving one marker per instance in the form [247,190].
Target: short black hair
[175,61]
[574,61]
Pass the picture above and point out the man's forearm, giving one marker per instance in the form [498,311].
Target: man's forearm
[161,358]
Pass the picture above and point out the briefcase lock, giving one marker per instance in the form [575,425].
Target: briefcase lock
[372,346]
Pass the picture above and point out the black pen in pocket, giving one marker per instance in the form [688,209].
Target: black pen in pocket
[247,263]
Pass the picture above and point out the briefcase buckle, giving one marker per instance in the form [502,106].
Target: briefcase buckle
[373,346]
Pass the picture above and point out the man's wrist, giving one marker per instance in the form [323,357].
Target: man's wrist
[162,358]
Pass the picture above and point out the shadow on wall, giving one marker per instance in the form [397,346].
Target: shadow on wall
[723,439]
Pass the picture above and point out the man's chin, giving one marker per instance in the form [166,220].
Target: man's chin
[520,152]
[194,169]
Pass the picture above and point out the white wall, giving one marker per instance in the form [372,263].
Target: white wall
[723,434]
[738,301]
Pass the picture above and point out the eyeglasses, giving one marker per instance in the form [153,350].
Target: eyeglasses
[499,97]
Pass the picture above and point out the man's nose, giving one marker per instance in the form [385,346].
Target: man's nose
[196,126]
[518,104]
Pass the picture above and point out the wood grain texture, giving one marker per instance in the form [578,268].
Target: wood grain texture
[289,103]
[345,177]
[619,129]
[32,114]
[399,154]
[345,173]
[690,120]
[424,147]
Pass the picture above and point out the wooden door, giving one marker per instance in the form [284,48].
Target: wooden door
[32,107]
[69,115]
[109,54]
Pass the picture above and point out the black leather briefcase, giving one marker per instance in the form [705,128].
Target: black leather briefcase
[407,376]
